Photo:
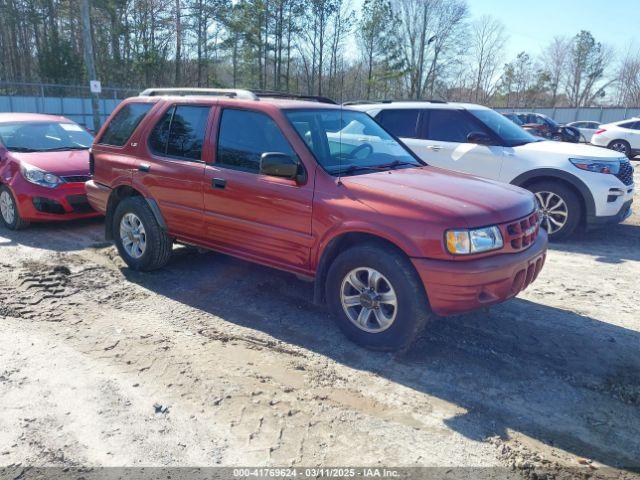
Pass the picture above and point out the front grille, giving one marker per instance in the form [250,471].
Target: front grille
[626,172]
[77,178]
[522,233]
[525,277]
[79,203]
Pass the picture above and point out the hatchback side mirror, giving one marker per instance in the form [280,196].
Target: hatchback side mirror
[277,164]
[480,138]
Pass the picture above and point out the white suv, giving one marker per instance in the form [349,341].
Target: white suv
[623,137]
[575,184]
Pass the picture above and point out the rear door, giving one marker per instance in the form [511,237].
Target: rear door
[171,172]
[267,219]
[445,145]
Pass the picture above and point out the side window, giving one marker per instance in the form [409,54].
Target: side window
[124,123]
[400,122]
[244,136]
[180,132]
[451,126]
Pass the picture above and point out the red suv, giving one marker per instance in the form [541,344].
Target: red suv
[317,190]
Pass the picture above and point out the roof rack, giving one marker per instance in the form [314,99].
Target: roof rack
[276,94]
[218,92]
[371,102]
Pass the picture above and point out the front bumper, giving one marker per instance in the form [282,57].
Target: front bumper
[455,287]
[40,204]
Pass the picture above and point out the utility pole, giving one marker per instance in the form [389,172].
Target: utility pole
[89,59]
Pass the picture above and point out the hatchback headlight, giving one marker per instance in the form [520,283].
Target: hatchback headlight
[39,177]
[597,166]
[477,240]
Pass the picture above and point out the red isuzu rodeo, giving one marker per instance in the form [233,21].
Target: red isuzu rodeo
[317,190]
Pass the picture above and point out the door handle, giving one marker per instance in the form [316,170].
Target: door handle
[144,167]
[218,183]
[435,148]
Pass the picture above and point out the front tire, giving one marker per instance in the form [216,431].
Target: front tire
[376,297]
[621,146]
[9,215]
[140,240]
[560,206]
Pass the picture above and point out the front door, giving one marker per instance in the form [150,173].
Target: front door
[264,218]
[444,144]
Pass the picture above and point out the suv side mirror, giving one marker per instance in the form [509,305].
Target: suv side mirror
[480,138]
[277,164]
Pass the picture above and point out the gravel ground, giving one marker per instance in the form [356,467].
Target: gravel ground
[213,361]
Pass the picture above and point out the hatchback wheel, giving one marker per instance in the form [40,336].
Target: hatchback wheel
[9,215]
[140,240]
[560,209]
[621,146]
[377,297]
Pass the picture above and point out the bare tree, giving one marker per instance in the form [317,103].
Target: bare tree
[554,57]
[628,78]
[488,39]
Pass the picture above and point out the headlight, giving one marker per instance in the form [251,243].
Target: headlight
[39,177]
[478,240]
[597,166]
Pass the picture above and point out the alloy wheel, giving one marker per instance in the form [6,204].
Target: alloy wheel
[369,300]
[7,207]
[133,235]
[619,147]
[554,209]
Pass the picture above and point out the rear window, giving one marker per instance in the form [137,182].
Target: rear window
[401,122]
[123,124]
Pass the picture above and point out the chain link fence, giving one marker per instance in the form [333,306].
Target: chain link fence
[74,102]
[71,101]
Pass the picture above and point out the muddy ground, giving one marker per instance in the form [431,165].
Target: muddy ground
[215,361]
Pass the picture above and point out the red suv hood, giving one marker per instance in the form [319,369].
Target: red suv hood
[454,198]
[70,162]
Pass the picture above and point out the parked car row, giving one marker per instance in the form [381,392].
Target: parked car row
[371,202]
[545,127]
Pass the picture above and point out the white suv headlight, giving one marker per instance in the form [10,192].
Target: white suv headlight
[597,166]
[477,240]
[39,177]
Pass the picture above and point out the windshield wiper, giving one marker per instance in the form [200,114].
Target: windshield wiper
[63,149]
[394,164]
[384,166]
[22,149]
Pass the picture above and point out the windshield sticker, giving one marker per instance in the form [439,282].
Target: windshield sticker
[71,127]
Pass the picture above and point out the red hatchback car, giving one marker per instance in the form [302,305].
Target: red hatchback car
[320,191]
[44,164]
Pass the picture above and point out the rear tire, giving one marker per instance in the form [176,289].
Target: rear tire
[140,240]
[394,279]
[621,146]
[561,208]
[9,215]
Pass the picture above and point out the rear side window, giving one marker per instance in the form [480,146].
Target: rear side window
[244,136]
[180,133]
[400,122]
[631,125]
[451,126]
[124,123]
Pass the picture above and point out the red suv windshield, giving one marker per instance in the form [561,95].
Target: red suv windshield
[344,141]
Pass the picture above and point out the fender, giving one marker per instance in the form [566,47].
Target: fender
[578,184]
[327,246]
[153,205]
